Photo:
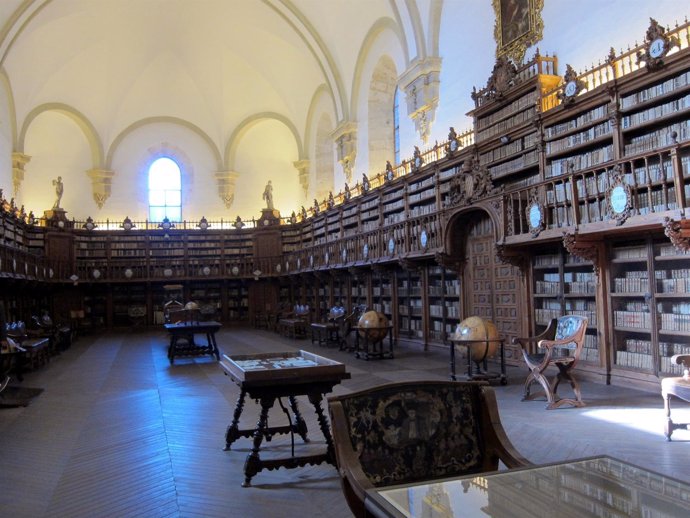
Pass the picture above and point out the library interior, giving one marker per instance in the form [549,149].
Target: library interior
[448,237]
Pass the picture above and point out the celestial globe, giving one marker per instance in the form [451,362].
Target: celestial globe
[477,328]
[373,326]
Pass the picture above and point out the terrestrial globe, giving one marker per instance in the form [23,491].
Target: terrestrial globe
[477,328]
[373,326]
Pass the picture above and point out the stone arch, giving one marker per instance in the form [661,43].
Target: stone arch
[246,124]
[165,120]
[81,121]
[7,87]
[380,27]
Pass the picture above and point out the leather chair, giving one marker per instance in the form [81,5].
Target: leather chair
[678,387]
[411,431]
[560,346]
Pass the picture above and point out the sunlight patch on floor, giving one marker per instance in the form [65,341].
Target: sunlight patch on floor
[644,419]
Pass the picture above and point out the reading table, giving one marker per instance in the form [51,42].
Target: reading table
[270,376]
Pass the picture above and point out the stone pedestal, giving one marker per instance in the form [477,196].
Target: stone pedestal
[269,217]
[56,218]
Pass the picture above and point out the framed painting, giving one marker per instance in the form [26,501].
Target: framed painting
[518,26]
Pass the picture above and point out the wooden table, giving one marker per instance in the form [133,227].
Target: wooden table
[185,331]
[270,376]
[477,373]
[596,486]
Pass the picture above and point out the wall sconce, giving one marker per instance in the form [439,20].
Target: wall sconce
[505,139]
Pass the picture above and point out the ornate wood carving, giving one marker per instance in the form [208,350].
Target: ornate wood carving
[535,213]
[513,257]
[453,143]
[502,78]
[618,197]
[472,183]
[572,86]
[454,264]
[586,249]
[657,45]
[678,232]
[408,264]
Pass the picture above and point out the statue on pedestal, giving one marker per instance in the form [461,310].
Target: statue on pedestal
[268,195]
[59,188]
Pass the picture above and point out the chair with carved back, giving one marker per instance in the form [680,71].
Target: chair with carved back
[411,431]
[678,387]
[560,346]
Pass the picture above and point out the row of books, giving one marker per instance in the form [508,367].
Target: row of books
[579,138]
[634,319]
[513,147]
[674,285]
[657,90]
[557,129]
[505,125]
[631,285]
[661,137]
[656,112]
[526,160]
[581,161]
[523,102]
[675,322]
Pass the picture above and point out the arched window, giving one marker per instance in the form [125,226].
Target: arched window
[165,188]
[396,125]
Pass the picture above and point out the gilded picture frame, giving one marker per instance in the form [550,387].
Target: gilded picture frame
[518,26]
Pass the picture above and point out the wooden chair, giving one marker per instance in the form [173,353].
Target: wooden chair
[411,431]
[678,387]
[561,345]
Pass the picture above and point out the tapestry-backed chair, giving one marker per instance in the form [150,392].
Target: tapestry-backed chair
[560,346]
[423,430]
[678,387]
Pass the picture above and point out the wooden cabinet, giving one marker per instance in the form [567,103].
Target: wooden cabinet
[650,309]
[565,284]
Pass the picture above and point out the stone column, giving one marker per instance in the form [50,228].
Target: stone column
[101,183]
[226,186]
[19,160]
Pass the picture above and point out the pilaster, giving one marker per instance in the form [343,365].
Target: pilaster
[421,86]
[345,138]
[302,167]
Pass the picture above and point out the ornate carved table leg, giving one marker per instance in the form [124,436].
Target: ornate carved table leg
[315,399]
[232,432]
[252,465]
[299,424]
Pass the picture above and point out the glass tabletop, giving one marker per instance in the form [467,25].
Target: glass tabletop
[599,486]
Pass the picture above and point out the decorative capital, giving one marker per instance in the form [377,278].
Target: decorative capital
[226,186]
[302,167]
[101,184]
[421,86]
[451,263]
[19,161]
[513,257]
[345,138]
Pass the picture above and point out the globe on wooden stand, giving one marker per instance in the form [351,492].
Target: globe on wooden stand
[373,326]
[485,334]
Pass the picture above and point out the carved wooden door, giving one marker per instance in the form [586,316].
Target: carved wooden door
[491,287]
